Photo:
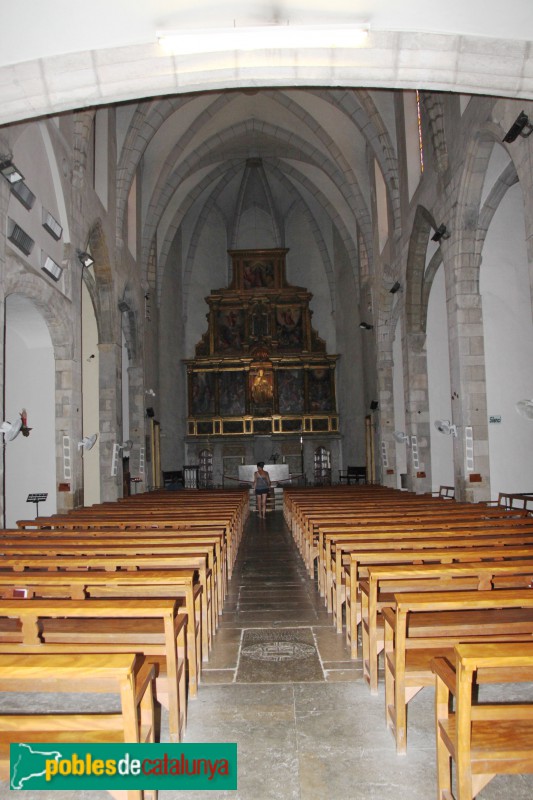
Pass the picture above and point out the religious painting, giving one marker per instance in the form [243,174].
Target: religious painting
[260,321]
[258,275]
[202,393]
[232,393]
[261,387]
[229,329]
[320,394]
[291,391]
[289,327]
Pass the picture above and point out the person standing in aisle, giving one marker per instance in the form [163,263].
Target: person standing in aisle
[261,488]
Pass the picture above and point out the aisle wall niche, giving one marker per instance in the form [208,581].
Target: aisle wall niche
[90,363]
[439,383]
[508,342]
[398,387]
[29,380]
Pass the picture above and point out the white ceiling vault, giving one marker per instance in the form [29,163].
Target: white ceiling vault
[214,109]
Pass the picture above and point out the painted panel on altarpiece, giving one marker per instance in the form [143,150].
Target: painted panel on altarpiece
[203,393]
[229,330]
[290,391]
[232,393]
[320,394]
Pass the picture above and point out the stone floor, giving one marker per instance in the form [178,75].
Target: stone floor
[280,683]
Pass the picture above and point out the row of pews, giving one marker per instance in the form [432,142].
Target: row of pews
[441,591]
[120,597]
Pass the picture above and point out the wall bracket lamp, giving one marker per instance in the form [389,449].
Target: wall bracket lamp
[9,170]
[441,233]
[84,258]
[520,127]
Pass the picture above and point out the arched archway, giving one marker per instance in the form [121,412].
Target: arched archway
[29,381]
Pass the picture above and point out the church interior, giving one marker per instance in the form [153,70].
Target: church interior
[245,233]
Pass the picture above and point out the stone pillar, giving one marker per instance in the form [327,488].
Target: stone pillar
[417,406]
[138,420]
[110,419]
[467,356]
[383,417]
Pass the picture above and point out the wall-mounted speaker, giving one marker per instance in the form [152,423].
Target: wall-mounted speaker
[373,405]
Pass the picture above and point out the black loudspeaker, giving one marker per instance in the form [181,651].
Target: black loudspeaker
[150,412]
[373,405]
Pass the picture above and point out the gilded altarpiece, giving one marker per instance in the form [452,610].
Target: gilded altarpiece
[260,368]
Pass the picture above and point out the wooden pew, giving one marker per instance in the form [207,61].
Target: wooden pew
[418,513]
[427,625]
[484,739]
[110,559]
[136,522]
[77,585]
[151,627]
[357,569]
[419,540]
[198,537]
[333,539]
[127,675]
[384,582]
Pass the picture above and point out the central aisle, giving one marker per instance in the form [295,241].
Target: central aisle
[280,683]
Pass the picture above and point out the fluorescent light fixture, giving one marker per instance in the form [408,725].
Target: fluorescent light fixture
[9,170]
[24,194]
[49,266]
[265,37]
[19,237]
[51,225]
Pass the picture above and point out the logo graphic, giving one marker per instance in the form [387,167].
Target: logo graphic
[123,766]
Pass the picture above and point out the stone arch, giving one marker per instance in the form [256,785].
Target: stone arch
[83,128]
[433,107]
[101,285]
[417,283]
[129,315]
[53,307]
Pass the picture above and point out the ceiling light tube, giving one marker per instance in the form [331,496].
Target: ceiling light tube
[266,37]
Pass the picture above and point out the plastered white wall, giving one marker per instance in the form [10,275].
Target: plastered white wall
[508,333]
[439,384]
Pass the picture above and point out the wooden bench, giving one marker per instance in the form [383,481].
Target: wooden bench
[151,627]
[358,563]
[462,534]
[99,583]
[131,524]
[88,558]
[429,624]
[383,582]
[202,538]
[127,675]
[484,739]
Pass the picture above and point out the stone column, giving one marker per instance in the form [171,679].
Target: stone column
[467,356]
[417,405]
[110,419]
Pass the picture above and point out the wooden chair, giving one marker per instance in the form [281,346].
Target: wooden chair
[484,739]
[353,475]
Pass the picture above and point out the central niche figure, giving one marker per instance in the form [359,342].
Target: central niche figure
[261,389]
